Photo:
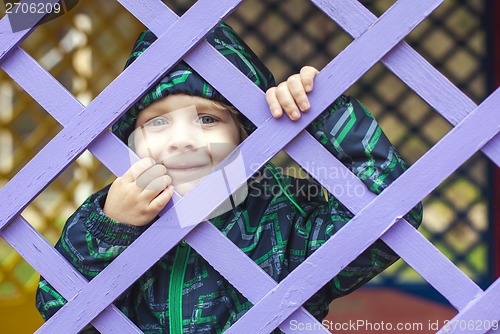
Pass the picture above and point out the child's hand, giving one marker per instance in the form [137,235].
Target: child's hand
[291,95]
[140,194]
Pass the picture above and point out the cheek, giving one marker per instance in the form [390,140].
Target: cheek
[146,148]
[222,143]
[218,151]
[236,134]
[142,151]
[139,144]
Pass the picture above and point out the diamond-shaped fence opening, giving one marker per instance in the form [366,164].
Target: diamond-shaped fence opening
[87,52]
[18,277]
[480,126]
[27,131]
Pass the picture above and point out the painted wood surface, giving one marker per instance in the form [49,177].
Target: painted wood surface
[408,243]
[384,36]
[411,68]
[108,149]
[458,297]
[444,158]
[86,128]
[92,121]
[35,249]
[112,152]
[10,40]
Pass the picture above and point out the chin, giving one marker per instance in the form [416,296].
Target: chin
[185,187]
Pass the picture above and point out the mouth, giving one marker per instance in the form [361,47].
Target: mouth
[181,168]
[185,168]
[187,174]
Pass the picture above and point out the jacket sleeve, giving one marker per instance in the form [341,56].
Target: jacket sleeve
[352,135]
[90,240]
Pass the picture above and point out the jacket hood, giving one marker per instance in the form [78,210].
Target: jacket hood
[183,79]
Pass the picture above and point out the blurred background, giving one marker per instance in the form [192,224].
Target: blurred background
[86,48]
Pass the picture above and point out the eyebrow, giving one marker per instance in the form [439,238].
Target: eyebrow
[150,113]
[200,107]
[209,107]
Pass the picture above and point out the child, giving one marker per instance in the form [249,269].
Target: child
[182,128]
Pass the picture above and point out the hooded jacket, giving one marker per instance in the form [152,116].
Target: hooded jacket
[281,222]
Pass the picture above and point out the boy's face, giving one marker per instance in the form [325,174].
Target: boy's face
[188,135]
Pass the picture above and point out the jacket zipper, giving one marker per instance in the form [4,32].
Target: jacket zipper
[175,287]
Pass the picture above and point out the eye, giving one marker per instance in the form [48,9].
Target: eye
[206,119]
[158,121]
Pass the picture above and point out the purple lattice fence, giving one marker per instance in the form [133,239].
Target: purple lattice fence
[275,305]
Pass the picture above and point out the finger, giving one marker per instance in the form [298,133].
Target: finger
[150,174]
[307,75]
[286,101]
[273,103]
[159,202]
[298,92]
[137,169]
[156,186]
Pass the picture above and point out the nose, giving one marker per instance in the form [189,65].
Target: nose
[184,138]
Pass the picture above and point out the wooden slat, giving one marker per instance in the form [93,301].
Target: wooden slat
[480,316]
[85,127]
[154,14]
[9,40]
[250,280]
[410,67]
[344,70]
[443,159]
[112,152]
[63,106]
[35,249]
[383,37]
[453,284]
[22,68]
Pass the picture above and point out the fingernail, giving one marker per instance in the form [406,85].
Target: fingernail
[304,106]
[295,115]
[308,88]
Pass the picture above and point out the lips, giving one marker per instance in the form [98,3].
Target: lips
[186,168]
[186,164]
[187,174]
[187,160]
[188,171]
